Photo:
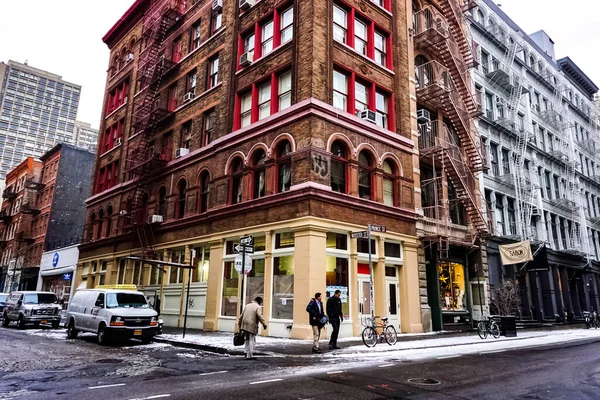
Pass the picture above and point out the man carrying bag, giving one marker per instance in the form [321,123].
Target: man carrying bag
[317,320]
[248,325]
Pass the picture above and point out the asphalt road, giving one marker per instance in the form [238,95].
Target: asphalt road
[43,365]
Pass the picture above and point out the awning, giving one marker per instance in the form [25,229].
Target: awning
[58,271]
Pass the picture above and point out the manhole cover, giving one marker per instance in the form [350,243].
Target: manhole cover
[109,361]
[424,381]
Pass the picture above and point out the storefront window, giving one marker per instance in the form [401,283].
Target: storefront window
[337,241]
[392,250]
[136,278]
[255,281]
[200,273]
[284,240]
[175,275]
[229,300]
[452,286]
[336,277]
[362,246]
[283,287]
[121,272]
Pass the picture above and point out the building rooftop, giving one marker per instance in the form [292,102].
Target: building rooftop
[577,76]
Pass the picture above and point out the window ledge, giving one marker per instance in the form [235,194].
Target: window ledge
[353,50]
[203,44]
[258,60]
[116,110]
[109,151]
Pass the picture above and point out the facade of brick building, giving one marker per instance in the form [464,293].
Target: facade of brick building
[285,120]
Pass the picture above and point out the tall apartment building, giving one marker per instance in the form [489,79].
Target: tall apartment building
[37,111]
[85,136]
[453,267]
[540,134]
[285,120]
[44,209]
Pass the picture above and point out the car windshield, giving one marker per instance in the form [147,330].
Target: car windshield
[40,298]
[127,300]
[3,298]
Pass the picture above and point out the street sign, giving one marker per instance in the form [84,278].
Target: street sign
[247,240]
[359,235]
[378,228]
[244,248]
[238,264]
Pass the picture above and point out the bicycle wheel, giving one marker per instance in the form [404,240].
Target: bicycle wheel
[390,335]
[482,329]
[494,329]
[369,336]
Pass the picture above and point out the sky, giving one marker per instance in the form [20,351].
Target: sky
[65,37]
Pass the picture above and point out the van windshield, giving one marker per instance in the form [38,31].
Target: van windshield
[3,298]
[40,298]
[133,300]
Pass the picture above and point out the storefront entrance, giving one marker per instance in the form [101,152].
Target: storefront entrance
[364,297]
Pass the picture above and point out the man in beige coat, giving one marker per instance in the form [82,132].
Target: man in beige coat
[248,324]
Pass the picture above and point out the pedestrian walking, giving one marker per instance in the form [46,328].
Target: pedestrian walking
[317,320]
[248,324]
[336,317]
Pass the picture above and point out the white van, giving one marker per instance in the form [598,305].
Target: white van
[112,312]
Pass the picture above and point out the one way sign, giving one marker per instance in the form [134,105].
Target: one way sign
[247,249]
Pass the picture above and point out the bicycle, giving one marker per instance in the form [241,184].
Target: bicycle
[488,326]
[370,335]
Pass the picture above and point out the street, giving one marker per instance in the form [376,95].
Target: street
[42,364]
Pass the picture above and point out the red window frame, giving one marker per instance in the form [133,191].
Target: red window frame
[117,96]
[254,89]
[111,134]
[387,4]
[275,17]
[172,98]
[195,41]
[351,15]
[176,50]
[372,89]
[107,176]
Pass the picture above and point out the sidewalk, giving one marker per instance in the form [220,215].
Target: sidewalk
[222,342]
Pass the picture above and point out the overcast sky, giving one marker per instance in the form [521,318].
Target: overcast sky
[65,37]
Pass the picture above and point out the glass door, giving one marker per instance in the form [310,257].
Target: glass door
[364,300]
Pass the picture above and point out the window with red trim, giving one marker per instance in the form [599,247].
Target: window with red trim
[172,97]
[117,96]
[216,20]
[107,176]
[263,99]
[353,95]
[176,50]
[195,36]
[269,35]
[213,72]
[387,4]
[111,134]
[167,146]
[362,35]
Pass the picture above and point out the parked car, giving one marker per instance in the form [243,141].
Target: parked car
[3,297]
[111,314]
[36,308]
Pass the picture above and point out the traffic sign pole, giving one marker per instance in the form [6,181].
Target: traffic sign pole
[370,268]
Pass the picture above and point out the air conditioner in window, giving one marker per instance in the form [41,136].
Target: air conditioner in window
[181,152]
[129,57]
[423,116]
[188,96]
[155,219]
[217,5]
[536,212]
[247,58]
[246,4]
[367,115]
[118,142]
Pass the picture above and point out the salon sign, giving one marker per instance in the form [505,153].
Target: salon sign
[515,253]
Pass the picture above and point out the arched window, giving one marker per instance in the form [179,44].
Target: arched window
[162,202]
[258,164]
[237,180]
[123,58]
[531,61]
[91,227]
[339,166]
[109,212]
[479,17]
[389,183]
[181,197]
[423,71]
[284,166]
[204,191]
[115,66]
[100,224]
[365,175]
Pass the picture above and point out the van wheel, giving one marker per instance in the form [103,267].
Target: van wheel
[102,337]
[5,320]
[21,322]
[71,331]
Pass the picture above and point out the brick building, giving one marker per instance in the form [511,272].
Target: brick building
[44,209]
[285,120]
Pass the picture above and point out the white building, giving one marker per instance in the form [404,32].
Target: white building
[85,136]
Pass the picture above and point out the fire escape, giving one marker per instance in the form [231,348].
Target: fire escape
[446,86]
[152,107]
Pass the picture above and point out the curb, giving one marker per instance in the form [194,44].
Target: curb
[205,347]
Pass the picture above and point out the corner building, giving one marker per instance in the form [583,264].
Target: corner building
[285,120]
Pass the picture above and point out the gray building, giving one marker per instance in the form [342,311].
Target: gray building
[85,136]
[540,138]
[37,111]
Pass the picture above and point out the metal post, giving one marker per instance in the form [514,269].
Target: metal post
[243,295]
[370,268]
[187,297]
[479,290]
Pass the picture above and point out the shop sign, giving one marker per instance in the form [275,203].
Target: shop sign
[515,253]
[67,276]
[55,259]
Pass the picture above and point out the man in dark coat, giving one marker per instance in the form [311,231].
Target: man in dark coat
[316,314]
[336,317]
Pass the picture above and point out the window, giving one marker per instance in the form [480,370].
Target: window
[340,24]
[284,166]
[204,191]
[181,198]
[452,286]
[258,164]
[229,299]
[360,37]
[167,146]
[389,184]
[209,125]
[268,36]
[109,212]
[339,166]
[117,96]
[367,96]
[264,100]
[186,135]
[195,36]
[365,175]
[172,98]
[162,201]
[190,82]
[249,44]
[246,103]
[287,21]
[176,50]
[380,49]
[236,180]
[283,286]
[259,102]
[216,21]
[213,72]
[285,90]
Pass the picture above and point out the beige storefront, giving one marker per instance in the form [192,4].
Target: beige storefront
[292,261]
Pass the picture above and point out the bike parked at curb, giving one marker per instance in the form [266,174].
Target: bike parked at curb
[488,326]
[370,336]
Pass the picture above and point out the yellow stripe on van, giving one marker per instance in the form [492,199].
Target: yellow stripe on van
[122,287]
